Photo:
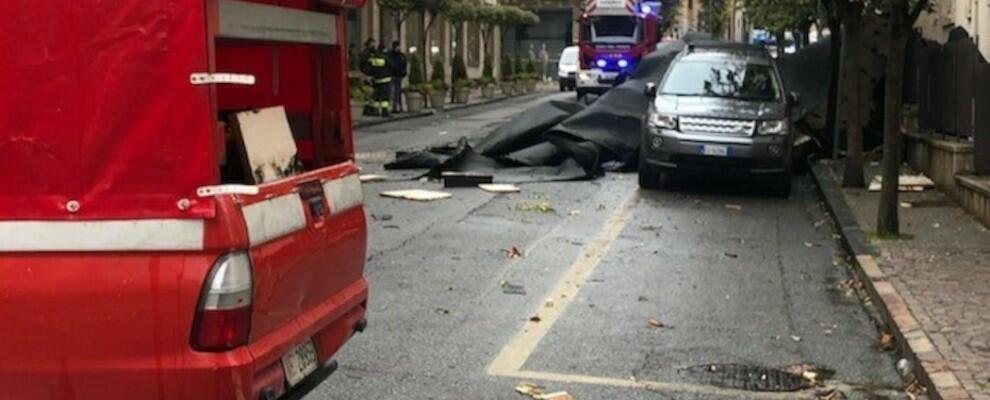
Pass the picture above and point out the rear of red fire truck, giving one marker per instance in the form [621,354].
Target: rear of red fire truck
[180,215]
[614,36]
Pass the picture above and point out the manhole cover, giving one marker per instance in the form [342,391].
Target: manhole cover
[746,377]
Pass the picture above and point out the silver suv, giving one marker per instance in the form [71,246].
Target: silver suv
[721,108]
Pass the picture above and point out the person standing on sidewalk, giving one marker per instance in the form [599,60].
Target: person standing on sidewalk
[545,59]
[400,68]
[375,65]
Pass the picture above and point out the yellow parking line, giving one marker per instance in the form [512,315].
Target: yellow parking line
[514,355]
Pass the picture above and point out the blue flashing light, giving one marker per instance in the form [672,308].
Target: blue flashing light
[623,63]
[646,9]
[601,63]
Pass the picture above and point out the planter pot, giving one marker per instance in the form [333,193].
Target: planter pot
[438,100]
[506,88]
[357,109]
[487,91]
[519,88]
[461,96]
[415,102]
[531,86]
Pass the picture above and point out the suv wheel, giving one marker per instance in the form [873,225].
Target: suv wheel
[651,178]
[782,186]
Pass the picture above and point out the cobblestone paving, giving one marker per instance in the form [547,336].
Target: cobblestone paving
[943,273]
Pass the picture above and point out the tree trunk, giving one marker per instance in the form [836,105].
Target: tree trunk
[887,219]
[853,173]
[835,65]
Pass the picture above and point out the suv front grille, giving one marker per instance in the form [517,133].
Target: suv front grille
[718,126]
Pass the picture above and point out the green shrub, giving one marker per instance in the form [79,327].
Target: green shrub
[507,71]
[530,67]
[416,76]
[458,70]
[517,66]
[487,72]
[438,75]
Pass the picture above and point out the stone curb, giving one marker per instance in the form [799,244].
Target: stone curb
[930,367]
[431,112]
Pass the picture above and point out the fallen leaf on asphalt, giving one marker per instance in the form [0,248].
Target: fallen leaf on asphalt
[731,255]
[530,389]
[442,311]
[656,323]
[541,207]
[574,213]
[535,318]
[548,303]
[809,244]
[512,252]
[886,341]
[795,338]
[642,299]
[735,207]
[832,394]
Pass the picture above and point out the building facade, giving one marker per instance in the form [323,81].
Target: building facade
[971,15]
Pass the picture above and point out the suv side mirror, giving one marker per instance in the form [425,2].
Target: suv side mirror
[793,99]
[650,90]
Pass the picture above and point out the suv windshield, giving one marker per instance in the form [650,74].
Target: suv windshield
[725,79]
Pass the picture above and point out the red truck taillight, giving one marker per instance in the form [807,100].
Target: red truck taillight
[223,319]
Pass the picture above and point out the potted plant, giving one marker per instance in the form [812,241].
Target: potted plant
[507,74]
[438,83]
[461,88]
[487,86]
[531,76]
[416,92]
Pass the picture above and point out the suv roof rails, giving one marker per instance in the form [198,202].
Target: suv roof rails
[719,45]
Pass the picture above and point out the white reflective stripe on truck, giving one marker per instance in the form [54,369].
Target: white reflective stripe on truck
[274,218]
[343,194]
[116,235]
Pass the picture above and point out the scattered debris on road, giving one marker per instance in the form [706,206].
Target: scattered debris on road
[368,178]
[540,207]
[642,299]
[499,188]
[905,183]
[540,393]
[441,311]
[734,207]
[535,319]
[508,288]
[465,179]
[730,255]
[512,252]
[656,323]
[416,195]
[795,338]
[574,213]
[809,244]
[381,217]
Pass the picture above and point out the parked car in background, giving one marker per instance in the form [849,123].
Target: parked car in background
[720,109]
[567,68]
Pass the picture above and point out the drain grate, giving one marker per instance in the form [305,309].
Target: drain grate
[746,377]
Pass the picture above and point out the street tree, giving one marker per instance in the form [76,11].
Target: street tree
[850,13]
[779,17]
[431,11]
[902,15]
[400,10]
[669,10]
[713,16]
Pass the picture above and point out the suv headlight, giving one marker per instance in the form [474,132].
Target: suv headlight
[772,127]
[661,121]
[585,75]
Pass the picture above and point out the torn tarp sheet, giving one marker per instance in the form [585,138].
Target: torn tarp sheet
[565,140]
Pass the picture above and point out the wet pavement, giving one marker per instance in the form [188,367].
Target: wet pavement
[702,292]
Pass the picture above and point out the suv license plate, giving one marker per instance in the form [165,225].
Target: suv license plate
[718,151]
[299,362]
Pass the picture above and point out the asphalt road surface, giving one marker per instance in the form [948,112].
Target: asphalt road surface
[618,293]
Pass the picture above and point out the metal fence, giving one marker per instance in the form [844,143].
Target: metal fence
[951,85]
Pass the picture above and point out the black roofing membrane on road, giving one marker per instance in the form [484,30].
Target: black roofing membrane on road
[566,140]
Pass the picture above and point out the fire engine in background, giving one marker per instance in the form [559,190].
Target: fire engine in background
[615,35]
[180,211]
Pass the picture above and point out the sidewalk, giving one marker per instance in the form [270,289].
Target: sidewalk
[361,121]
[934,284]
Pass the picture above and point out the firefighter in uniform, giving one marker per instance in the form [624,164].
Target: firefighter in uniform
[376,66]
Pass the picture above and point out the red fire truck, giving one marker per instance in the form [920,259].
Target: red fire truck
[615,35]
[180,212]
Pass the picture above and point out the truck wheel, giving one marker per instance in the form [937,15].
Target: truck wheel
[563,86]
